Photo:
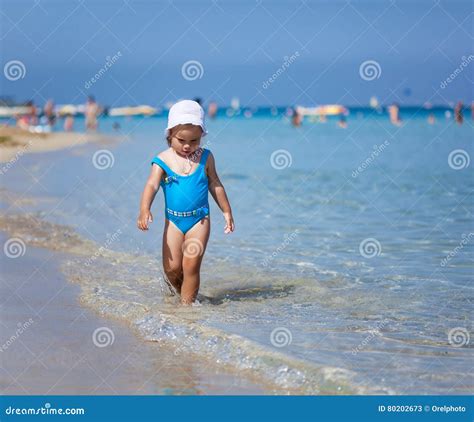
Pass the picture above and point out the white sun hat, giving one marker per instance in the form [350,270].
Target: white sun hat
[186,112]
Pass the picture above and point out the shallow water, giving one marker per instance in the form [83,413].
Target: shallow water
[359,276]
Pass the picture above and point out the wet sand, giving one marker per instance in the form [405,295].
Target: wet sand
[49,346]
[16,142]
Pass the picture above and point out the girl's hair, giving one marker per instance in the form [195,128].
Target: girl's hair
[177,128]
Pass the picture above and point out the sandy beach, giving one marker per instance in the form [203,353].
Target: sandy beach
[53,345]
[15,142]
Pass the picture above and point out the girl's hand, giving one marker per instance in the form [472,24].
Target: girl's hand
[229,223]
[144,219]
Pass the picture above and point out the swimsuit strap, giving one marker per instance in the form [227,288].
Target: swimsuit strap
[205,153]
[163,165]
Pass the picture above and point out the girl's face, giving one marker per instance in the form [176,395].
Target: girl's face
[186,139]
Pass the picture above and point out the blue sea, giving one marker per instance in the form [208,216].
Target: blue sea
[351,266]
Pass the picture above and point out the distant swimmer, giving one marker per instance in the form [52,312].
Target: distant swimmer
[394,114]
[91,112]
[69,123]
[458,114]
[296,118]
[431,118]
[342,122]
[212,110]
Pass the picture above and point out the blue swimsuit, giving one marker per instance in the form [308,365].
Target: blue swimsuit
[186,197]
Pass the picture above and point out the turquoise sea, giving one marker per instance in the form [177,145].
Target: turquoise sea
[351,266]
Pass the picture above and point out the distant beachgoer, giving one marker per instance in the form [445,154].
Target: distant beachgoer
[394,113]
[458,113]
[32,113]
[186,172]
[212,110]
[48,111]
[431,118]
[342,122]
[69,123]
[116,126]
[22,122]
[91,113]
[296,118]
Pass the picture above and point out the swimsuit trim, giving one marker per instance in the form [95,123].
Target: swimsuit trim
[187,213]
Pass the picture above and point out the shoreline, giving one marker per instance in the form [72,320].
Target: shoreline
[245,361]
[15,142]
[70,349]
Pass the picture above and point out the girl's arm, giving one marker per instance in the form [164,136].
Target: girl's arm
[218,193]
[151,188]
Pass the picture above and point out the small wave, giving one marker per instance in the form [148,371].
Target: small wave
[305,264]
[235,176]
[245,355]
[158,318]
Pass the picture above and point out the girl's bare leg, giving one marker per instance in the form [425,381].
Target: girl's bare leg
[173,239]
[194,246]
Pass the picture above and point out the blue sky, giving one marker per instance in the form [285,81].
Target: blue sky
[239,45]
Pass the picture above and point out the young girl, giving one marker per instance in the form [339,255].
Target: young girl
[186,172]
